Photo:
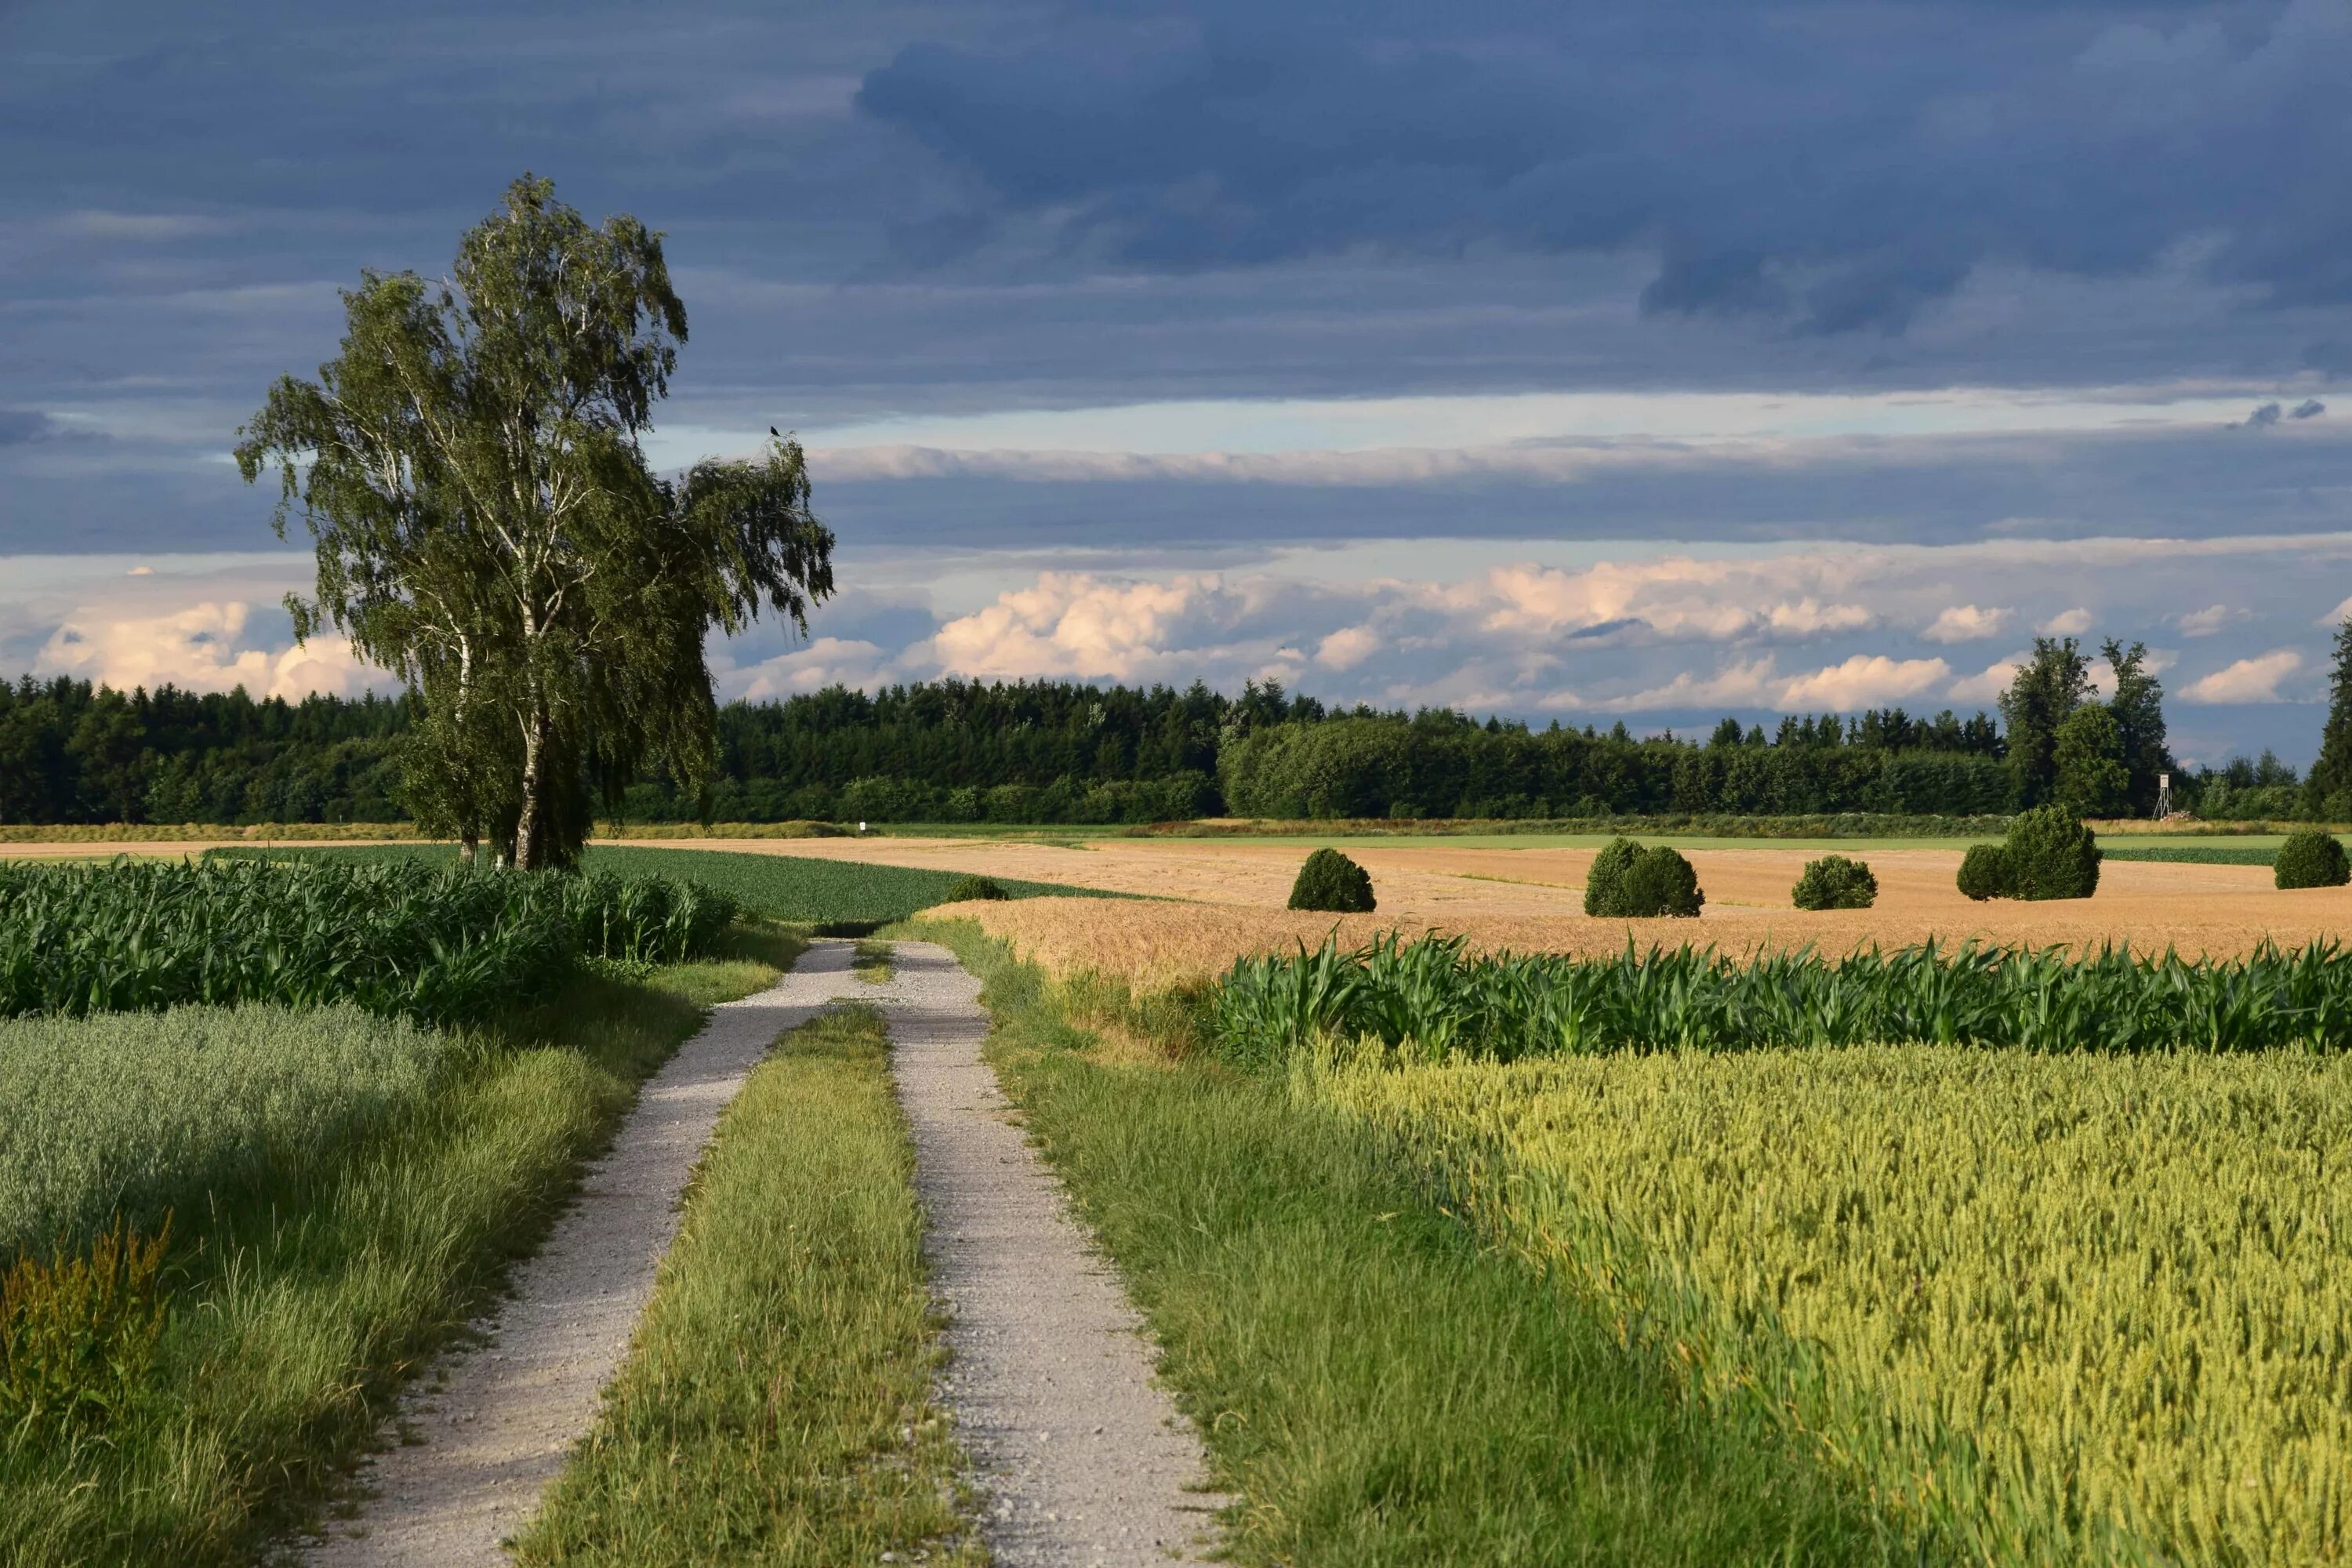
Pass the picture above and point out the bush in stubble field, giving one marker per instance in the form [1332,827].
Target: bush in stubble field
[1332,883]
[2051,856]
[1984,871]
[966,889]
[1630,882]
[1835,882]
[2312,860]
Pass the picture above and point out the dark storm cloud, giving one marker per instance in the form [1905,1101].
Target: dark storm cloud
[19,426]
[906,209]
[1842,165]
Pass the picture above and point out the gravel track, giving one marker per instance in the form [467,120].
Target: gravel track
[1084,1461]
[491,1426]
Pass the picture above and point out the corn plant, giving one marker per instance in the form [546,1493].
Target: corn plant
[440,945]
[1432,1000]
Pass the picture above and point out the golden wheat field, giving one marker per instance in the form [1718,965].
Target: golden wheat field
[2076,1310]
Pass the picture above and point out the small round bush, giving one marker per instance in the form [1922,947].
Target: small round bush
[1834,882]
[968,888]
[1660,883]
[1332,883]
[2312,860]
[1984,871]
[2051,856]
[1609,869]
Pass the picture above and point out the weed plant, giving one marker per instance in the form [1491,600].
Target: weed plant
[1332,883]
[1835,882]
[1430,1000]
[2311,860]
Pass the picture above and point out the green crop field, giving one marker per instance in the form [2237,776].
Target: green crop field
[2051,1310]
[2250,850]
[802,889]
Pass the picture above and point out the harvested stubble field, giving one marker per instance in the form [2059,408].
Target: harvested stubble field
[1221,900]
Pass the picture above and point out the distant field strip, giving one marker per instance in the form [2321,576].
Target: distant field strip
[2193,853]
[1432,1000]
[801,888]
[2087,1308]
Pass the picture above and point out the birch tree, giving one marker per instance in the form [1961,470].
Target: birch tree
[471,470]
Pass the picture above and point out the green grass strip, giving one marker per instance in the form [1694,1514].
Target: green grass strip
[2193,853]
[298,1308]
[776,1407]
[1378,1384]
[840,897]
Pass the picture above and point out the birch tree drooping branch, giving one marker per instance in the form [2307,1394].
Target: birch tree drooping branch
[471,470]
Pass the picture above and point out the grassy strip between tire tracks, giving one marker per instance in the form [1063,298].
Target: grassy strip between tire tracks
[295,1314]
[1378,1386]
[776,1407]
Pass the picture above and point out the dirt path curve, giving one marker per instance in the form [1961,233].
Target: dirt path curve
[1084,1459]
[485,1441]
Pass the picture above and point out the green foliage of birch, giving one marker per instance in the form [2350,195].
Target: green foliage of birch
[488,526]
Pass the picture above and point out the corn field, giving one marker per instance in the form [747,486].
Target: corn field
[2088,1309]
[441,946]
[1430,1001]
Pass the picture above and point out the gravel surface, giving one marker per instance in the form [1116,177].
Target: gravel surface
[1085,1462]
[490,1427]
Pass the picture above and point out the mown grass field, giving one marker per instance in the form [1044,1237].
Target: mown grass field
[830,894]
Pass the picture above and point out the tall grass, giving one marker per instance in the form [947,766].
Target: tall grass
[1432,1001]
[142,1115]
[297,1308]
[2079,1309]
[443,945]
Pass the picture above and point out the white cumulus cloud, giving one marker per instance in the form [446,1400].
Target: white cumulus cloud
[197,649]
[2253,680]
[2204,623]
[1965,622]
[1987,684]
[1347,648]
[2071,623]
[1865,681]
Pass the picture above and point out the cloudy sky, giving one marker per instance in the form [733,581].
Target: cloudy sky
[1592,362]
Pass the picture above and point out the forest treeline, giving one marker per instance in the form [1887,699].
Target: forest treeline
[1047,751]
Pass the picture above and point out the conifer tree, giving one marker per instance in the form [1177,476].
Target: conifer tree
[2328,792]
